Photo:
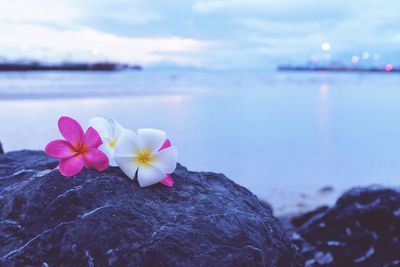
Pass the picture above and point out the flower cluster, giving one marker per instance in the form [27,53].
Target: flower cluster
[146,155]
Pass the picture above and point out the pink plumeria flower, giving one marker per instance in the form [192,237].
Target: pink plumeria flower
[147,156]
[78,150]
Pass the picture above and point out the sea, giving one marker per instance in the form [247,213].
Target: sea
[295,139]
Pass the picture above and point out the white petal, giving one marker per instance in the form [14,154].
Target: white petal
[166,159]
[117,128]
[127,165]
[102,126]
[149,175]
[151,139]
[106,149]
[127,144]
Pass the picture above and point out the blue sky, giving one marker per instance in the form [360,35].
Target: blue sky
[201,33]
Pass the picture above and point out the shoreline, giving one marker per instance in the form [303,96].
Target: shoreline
[39,66]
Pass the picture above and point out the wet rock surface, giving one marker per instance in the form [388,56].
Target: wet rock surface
[362,229]
[104,219]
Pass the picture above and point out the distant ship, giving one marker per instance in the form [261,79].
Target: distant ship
[35,66]
[387,69]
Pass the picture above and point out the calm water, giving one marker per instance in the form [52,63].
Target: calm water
[282,135]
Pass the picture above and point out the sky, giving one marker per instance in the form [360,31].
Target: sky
[201,33]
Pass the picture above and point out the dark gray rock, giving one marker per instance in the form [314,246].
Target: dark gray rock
[326,189]
[1,149]
[298,221]
[104,219]
[362,229]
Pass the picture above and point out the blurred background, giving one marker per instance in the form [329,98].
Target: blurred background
[295,100]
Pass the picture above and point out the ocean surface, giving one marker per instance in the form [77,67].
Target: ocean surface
[283,135]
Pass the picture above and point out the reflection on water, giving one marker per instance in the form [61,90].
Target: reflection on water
[275,133]
[323,118]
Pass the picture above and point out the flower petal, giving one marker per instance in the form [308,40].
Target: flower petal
[117,128]
[71,130]
[102,126]
[95,159]
[71,166]
[166,159]
[151,139]
[149,175]
[166,144]
[127,144]
[168,181]
[106,149]
[59,149]
[128,165]
[91,138]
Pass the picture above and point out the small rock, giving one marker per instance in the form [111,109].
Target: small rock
[362,229]
[326,189]
[298,221]
[1,149]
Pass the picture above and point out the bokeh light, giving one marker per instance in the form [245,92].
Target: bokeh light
[326,46]
[355,59]
[388,67]
[365,55]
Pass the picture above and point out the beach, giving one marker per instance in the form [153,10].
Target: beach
[284,136]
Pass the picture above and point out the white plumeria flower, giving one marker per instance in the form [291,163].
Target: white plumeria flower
[139,155]
[109,131]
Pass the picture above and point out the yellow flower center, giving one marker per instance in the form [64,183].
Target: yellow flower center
[112,143]
[144,157]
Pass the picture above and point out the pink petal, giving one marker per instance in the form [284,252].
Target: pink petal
[96,159]
[71,130]
[91,138]
[168,181]
[71,166]
[166,144]
[59,149]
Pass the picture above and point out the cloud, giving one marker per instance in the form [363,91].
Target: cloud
[133,18]
[38,11]
[42,42]
[362,27]
[197,32]
[210,6]
[57,30]
[73,11]
[131,12]
[278,27]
